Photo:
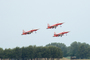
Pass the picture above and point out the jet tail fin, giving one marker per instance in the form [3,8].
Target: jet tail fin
[54,32]
[48,24]
[23,31]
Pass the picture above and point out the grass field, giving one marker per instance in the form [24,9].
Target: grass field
[73,59]
[64,59]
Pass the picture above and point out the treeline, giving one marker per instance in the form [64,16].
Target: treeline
[80,50]
[31,52]
[52,50]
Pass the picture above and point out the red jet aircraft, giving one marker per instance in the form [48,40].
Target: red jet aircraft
[60,34]
[54,26]
[29,32]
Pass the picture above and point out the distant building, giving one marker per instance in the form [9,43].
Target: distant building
[73,57]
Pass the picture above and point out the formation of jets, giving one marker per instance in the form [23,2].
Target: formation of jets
[48,27]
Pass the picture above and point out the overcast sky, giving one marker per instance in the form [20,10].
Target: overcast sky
[18,15]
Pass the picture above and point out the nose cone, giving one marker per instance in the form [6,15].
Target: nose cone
[68,31]
[38,29]
[63,22]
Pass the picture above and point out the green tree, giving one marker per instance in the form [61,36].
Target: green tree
[17,53]
[88,52]
[7,53]
[82,53]
[55,52]
[30,51]
[60,45]
[1,53]
[74,48]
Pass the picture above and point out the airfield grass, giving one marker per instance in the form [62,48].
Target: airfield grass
[65,58]
[55,59]
[82,59]
[73,59]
